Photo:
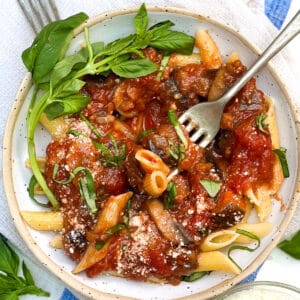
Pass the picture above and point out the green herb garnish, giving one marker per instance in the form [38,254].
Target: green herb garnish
[281,153]
[260,123]
[99,245]
[114,229]
[91,126]
[176,151]
[212,187]
[173,121]
[239,247]
[292,246]
[113,158]
[144,133]
[32,183]
[170,195]
[194,276]
[13,285]
[59,77]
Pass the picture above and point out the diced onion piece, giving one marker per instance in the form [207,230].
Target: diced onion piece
[164,221]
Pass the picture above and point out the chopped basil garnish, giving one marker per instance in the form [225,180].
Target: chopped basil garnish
[292,246]
[114,159]
[239,247]
[99,245]
[176,151]
[126,213]
[87,190]
[114,229]
[32,183]
[71,177]
[91,126]
[170,195]
[144,133]
[76,133]
[173,121]
[163,65]
[281,153]
[212,187]
[194,276]
[260,123]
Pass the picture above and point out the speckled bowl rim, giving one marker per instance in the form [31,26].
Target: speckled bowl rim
[56,269]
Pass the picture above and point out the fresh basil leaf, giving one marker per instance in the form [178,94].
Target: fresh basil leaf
[68,88]
[87,191]
[27,275]
[212,187]
[194,276]
[173,41]
[116,228]
[292,246]
[141,21]
[73,62]
[161,26]
[9,260]
[134,68]
[281,153]
[50,46]
[91,126]
[69,105]
[115,47]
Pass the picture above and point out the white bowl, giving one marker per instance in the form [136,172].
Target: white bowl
[109,27]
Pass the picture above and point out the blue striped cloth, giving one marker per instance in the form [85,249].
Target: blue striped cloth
[276,11]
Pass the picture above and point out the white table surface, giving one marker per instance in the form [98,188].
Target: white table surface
[17,35]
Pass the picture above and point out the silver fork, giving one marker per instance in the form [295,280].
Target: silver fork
[39,12]
[202,121]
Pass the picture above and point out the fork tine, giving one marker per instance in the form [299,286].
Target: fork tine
[205,141]
[39,12]
[195,136]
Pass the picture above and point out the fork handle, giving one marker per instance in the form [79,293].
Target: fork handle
[284,37]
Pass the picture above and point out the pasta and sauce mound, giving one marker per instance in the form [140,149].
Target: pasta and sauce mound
[122,209]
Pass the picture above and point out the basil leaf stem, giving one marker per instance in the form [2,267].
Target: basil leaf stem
[239,247]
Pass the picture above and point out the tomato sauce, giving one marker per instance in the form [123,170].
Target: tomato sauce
[240,157]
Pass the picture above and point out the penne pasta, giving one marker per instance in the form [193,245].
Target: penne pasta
[209,51]
[219,239]
[155,183]
[43,220]
[56,242]
[150,161]
[216,261]
[180,60]
[91,257]
[41,163]
[57,127]
[259,229]
[111,212]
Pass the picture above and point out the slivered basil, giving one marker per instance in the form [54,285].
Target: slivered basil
[194,276]
[170,195]
[32,183]
[173,121]
[260,123]
[239,247]
[281,153]
[91,126]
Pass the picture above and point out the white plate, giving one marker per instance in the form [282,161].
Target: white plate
[109,27]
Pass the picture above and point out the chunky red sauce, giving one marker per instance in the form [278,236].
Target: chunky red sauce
[240,157]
